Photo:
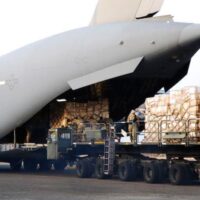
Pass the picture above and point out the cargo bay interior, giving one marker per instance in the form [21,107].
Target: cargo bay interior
[112,99]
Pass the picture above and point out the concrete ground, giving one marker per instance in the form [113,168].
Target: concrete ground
[66,186]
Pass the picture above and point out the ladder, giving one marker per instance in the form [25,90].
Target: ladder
[109,155]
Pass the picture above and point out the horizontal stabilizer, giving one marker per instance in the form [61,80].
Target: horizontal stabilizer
[164,18]
[110,72]
[108,11]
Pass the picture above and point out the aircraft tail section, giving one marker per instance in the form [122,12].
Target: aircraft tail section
[108,11]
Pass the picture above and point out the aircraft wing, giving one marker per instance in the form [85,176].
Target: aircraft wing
[110,72]
[108,11]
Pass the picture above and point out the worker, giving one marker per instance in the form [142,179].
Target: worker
[132,126]
[101,120]
[68,122]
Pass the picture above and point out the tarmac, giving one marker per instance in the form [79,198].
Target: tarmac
[66,186]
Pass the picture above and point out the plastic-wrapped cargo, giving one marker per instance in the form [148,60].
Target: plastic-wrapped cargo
[75,113]
[177,112]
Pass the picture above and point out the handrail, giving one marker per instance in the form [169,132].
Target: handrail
[184,124]
[170,126]
[138,133]
[170,129]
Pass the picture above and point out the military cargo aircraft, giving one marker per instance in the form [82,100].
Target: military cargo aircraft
[134,53]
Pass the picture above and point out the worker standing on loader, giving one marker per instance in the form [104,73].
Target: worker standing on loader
[132,126]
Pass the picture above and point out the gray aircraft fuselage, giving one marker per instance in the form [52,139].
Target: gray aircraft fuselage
[34,75]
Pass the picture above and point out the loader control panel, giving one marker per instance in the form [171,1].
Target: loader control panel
[59,139]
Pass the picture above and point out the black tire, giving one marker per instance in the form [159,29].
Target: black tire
[151,172]
[16,165]
[30,165]
[179,174]
[127,171]
[99,170]
[84,168]
[139,172]
[193,175]
[45,165]
[60,165]
[162,167]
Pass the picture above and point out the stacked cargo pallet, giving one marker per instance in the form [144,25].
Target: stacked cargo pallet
[176,112]
[74,113]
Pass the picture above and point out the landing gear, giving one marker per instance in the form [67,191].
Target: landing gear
[45,165]
[30,165]
[16,165]
[60,165]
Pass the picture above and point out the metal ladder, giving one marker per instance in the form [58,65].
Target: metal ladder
[109,155]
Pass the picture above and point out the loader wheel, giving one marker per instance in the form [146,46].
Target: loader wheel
[84,168]
[30,165]
[179,174]
[99,170]
[162,167]
[59,165]
[151,172]
[16,165]
[127,171]
[45,165]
